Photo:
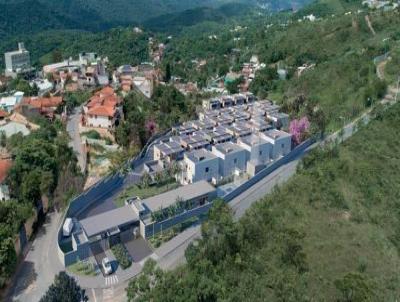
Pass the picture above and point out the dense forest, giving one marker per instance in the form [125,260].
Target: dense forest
[330,234]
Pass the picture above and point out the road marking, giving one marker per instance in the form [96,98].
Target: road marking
[111,280]
[108,293]
[94,295]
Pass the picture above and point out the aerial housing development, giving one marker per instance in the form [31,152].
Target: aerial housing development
[221,151]
[235,138]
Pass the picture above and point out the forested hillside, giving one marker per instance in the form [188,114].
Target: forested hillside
[330,234]
[343,81]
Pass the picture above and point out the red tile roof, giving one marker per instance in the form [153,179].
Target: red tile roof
[5,165]
[41,102]
[102,111]
[3,113]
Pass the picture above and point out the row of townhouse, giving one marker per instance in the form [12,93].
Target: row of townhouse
[261,111]
[225,160]
[214,151]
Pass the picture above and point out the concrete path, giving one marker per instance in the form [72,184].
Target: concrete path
[41,264]
[76,142]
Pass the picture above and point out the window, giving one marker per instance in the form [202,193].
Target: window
[260,152]
[235,161]
[207,169]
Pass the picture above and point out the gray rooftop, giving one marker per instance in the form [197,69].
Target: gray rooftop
[187,192]
[228,147]
[200,155]
[106,221]
[276,134]
[252,140]
[169,148]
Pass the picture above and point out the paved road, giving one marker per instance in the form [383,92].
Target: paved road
[76,142]
[39,266]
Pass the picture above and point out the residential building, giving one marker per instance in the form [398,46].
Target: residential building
[232,159]
[240,129]
[219,135]
[211,104]
[184,129]
[144,84]
[8,103]
[192,142]
[5,165]
[279,120]
[18,61]
[258,149]
[45,106]
[196,195]
[168,151]
[281,141]
[103,110]
[199,165]
[44,86]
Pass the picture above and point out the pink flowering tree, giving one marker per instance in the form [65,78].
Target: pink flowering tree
[298,129]
[151,127]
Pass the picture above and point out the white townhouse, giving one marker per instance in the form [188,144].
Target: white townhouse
[199,165]
[281,141]
[232,159]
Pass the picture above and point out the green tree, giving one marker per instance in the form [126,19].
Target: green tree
[64,289]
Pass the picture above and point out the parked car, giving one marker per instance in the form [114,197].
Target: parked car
[67,227]
[107,267]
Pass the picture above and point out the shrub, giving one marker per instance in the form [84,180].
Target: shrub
[122,256]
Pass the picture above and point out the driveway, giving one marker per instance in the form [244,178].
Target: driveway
[138,249]
[40,265]
[76,142]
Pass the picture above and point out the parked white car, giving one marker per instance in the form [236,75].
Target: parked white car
[67,227]
[107,267]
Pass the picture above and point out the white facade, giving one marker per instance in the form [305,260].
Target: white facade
[98,121]
[199,165]
[281,141]
[17,61]
[232,159]
[4,192]
[258,149]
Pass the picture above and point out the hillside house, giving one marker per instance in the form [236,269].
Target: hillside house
[103,110]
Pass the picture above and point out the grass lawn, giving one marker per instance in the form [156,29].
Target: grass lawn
[143,193]
[82,268]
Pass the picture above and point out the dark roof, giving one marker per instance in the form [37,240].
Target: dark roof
[101,223]
[187,192]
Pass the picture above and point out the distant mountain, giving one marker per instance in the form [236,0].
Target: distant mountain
[30,16]
[177,21]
